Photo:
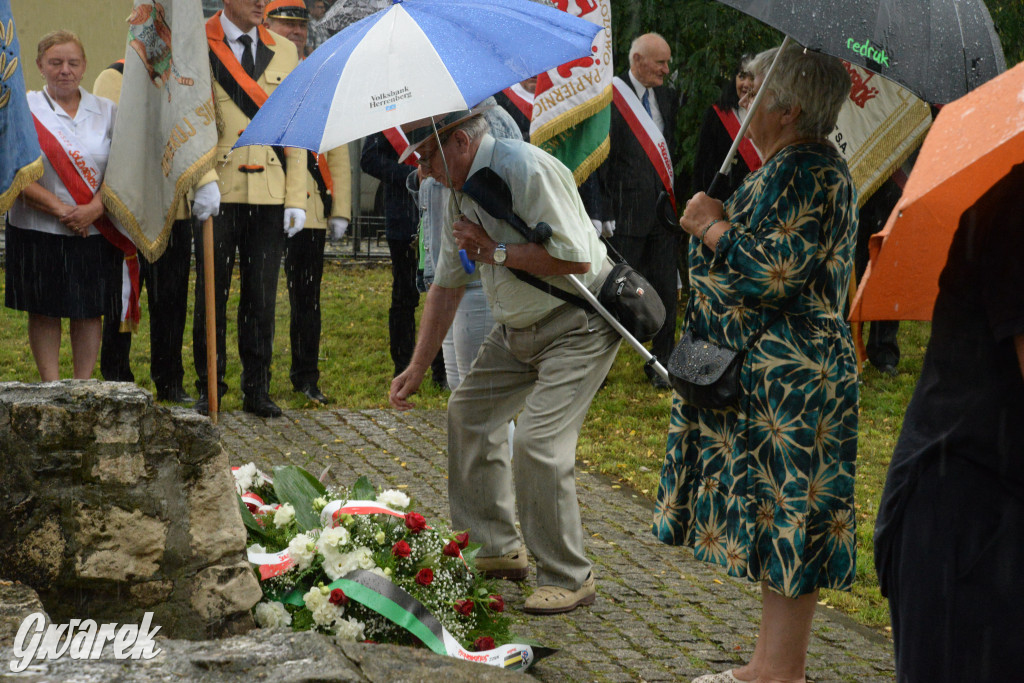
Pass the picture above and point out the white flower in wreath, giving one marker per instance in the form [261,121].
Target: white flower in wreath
[326,614]
[379,537]
[315,598]
[364,557]
[271,614]
[246,477]
[284,515]
[336,564]
[349,631]
[301,550]
[393,498]
[333,539]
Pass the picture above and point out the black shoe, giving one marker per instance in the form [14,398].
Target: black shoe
[202,405]
[175,395]
[261,405]
[887,369]
[313,393]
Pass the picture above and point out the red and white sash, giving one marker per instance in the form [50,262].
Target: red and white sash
[747,150]
[521,98]
[651,139]
[398,140]
[82,177]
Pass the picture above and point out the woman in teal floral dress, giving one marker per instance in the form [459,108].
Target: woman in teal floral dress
[766,489]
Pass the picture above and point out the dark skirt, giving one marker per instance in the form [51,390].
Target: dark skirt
[59,276]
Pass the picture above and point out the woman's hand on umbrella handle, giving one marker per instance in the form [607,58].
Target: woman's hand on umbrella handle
[699,212]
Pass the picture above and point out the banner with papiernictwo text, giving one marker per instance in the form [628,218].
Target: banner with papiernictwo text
[572,103]
[879,126]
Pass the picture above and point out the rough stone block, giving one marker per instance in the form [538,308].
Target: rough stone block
[118,545]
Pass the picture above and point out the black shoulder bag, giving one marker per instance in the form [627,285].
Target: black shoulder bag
[625,293]
[708,375]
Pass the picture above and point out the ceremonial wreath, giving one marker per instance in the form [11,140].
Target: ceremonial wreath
[360,564]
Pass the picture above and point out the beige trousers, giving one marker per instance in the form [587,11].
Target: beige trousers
[550,372]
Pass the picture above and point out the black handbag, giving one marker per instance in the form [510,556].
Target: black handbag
[633,302]
[705,374]
[708,375]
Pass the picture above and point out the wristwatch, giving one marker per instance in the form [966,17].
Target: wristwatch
[500,254]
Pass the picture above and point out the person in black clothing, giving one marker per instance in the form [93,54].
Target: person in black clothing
[882,346]
[721,123]
[949,538]
[401,222]
[631,185]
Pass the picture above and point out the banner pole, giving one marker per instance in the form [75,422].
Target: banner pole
[211,319]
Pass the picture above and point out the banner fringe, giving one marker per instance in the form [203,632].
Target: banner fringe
[120,211]
[571,118]
[25,176]
[592,162]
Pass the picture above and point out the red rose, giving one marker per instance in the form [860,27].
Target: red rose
[401,549]
[497,603]
[425,576]
[338,597]
[415,523]
[451,549]
[462,539]
[483,643]
[464,607]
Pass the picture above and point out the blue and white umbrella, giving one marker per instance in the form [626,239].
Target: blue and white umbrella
[416,59]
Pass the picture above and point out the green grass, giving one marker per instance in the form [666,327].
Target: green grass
[624,435]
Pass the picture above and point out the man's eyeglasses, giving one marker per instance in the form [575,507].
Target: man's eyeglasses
[427,157]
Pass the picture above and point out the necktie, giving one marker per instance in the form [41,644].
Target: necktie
[646,100]
[248,63]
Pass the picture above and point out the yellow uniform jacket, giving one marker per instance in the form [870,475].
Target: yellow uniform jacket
[254,174]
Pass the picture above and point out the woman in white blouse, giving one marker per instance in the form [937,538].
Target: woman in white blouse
[56,258]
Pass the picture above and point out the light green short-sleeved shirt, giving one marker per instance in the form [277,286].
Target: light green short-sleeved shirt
[543,190]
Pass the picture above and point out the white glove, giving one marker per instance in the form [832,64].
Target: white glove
[597,226]
[608,228]
[338,226]
[294,221]
[207,201]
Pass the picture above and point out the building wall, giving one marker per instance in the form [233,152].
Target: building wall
[102,26]
[99,23]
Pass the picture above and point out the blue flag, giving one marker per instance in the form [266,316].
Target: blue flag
[21,161]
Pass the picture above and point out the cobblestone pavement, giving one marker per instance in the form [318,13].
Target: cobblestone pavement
[660,615]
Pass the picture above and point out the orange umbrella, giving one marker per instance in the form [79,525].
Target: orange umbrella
[974,142]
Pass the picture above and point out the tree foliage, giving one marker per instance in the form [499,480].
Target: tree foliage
[707,39]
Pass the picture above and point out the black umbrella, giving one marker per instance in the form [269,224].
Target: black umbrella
[938,49]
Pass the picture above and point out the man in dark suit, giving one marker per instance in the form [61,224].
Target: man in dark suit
[401,223]
[263,201]
[632,179]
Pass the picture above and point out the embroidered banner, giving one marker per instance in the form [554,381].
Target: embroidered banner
[878,128]
[21,160]
[572,103]
[166,139]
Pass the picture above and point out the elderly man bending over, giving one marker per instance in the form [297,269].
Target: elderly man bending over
[544,357]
